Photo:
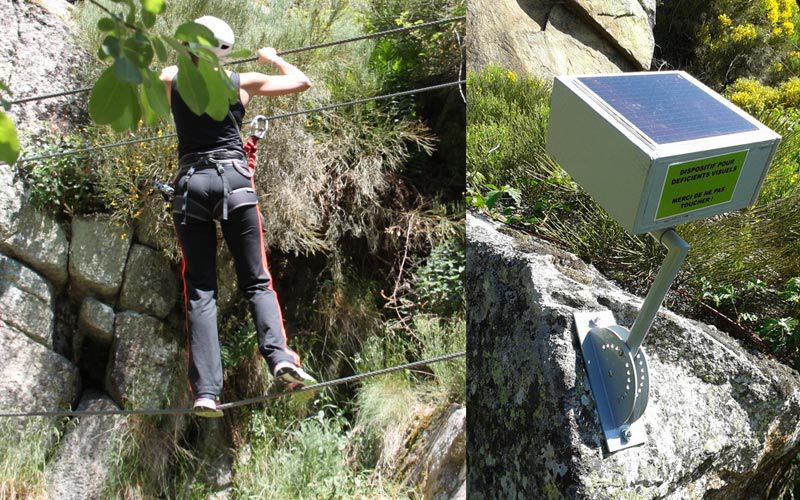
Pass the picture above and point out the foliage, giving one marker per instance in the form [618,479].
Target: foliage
[66,184]
[24,450]
[438,286]
[308,461]
[422,55]
[9,142]
[128,90]
[723,40]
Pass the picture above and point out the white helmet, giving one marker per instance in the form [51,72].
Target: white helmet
[222,32]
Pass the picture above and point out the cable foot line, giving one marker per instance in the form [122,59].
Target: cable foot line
[244,402]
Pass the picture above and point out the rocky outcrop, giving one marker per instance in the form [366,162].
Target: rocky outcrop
[145,360]
[27,301]
[96,320]
[430,454]
[39,55]
[97,257]
[548,38]
[82,465]
[150,284]
[721,421]
[32,377]
[31,236]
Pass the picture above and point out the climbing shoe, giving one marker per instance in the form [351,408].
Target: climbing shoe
[293,376]
[207,408]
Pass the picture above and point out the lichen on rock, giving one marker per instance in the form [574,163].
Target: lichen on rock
[721,420]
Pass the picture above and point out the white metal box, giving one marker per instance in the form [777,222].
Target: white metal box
[657,149]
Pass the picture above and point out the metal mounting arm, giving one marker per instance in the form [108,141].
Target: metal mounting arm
[677,249]
[616,365]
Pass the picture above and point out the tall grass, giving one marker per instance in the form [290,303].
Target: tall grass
[24,450]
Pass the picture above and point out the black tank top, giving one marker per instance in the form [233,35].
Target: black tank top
[198,134]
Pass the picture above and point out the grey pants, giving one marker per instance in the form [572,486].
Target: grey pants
[243,234]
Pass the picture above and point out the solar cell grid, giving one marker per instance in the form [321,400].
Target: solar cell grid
[666,106]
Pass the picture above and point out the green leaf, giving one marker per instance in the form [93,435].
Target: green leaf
[148,18]
[138,49]
[153,6]
[148,113]
[106,24]
[240,54]
[9,142]
[109,97]
[177,46]
[156,94]
[161,51]
[110,46]
[127,71]
[492,197]
[192,86]
[128,118]
[515,194]
[219,91]
[197,33]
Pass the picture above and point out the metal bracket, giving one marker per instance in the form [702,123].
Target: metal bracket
[619,380]
[615,362]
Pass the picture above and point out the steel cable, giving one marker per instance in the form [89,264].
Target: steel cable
[378,34]
[243,402]
[274,117]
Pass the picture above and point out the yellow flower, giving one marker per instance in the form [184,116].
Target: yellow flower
[512,76]
[788,27]
[744,33]
[777,67]
[790,92]
[724,20]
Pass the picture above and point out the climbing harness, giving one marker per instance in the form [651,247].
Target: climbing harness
[244,402]
[232,200]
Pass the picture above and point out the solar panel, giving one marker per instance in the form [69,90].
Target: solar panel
[666,106]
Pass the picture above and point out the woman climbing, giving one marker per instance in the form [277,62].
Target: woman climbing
[214,182]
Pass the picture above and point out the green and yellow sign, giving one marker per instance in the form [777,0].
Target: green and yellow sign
[702,183]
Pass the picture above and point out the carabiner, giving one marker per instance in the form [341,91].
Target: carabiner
[256,130]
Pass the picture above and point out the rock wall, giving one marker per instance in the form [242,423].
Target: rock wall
[548,38]
[722,422]
[430,454]
[38,55]
[89,315]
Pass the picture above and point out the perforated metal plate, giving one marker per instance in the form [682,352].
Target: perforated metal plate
[667,107]
[618,379]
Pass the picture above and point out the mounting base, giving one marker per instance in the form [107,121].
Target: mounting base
[618,378]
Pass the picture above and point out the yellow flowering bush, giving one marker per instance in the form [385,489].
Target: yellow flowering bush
[744,33]
[734,39]
[752,95]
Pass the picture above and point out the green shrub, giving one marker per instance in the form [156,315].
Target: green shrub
[438,286]
[308,462]
[65,184]
[723,40]
[24,450]
[420,56]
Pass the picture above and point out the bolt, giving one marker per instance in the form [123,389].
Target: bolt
[626,435]
[610,373]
